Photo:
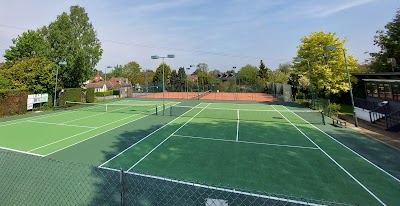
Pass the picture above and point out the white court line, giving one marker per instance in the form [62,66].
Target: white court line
[216,188]
[62,124]
[94,136]
[237,127]
[104,112]
[37,117]
[80,133]
[333,160]
[246,142]
[146,137]
[349,149]
[19,151]
[167,138]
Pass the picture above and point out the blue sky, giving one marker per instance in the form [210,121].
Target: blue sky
[220,33]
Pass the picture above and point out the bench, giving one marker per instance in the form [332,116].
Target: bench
[337,121]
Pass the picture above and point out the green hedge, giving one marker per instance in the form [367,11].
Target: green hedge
[13,102]
[106,93]
[90,95]
[70,94]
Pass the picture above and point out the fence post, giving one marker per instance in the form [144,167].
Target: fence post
[121,183]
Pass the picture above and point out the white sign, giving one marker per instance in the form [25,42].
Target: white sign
[35,99]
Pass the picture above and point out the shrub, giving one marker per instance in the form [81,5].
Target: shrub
[13,102]
[300,95]
[334,108]
[106,93]
[70,94]
[90,95]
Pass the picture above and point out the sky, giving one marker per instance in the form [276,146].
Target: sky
[220,33]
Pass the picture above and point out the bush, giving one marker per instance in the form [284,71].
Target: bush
[13,102]
[90,95]
[106,93]
[334,108]
[300,95]
[70,94]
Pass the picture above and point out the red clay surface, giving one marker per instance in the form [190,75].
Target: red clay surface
[257,97]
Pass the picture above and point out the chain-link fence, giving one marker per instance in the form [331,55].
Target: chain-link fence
[227,90]
[280,91]
[31,180]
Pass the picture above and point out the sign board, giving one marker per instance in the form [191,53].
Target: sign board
[35,99]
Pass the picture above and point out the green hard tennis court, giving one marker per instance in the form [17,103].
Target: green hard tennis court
[259,147]
[45,134]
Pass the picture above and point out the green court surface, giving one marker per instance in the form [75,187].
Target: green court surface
[261,147]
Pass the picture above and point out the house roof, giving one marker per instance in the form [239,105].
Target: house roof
[99,85]
[124,82]
[388,76]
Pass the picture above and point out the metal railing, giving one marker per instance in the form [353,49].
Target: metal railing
[378,113]
[393,121]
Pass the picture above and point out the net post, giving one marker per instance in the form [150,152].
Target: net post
[323,117]
[170,111]
[106,108]
[156,110]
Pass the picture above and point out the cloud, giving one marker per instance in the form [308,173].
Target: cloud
[325,10]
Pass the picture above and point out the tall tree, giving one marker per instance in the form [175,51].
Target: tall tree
[248,74]
[35,74]
[328,69]
[132,71]
[203,67]
[117,72]
[72,38]
[263,72]
[285,68]
[389,42]
[157,79]
[28,45]
[182,76]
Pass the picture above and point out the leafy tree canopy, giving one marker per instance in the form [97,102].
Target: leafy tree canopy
[389,42]
[157,79]
[132,71]
[248,74]
[35,74]
[28,45]
[328,69]
[73,39]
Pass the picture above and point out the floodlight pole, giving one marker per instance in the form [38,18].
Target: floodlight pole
[55,87]
[105,82]
[234,75]
[163,81]
[187,84]
[351,90]
[333,47]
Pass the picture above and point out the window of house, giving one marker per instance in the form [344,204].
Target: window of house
[387,91]
[372,90]
[381,91]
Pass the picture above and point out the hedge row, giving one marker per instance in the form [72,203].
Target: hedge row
[70,94]
[13,102]
[106,93]
[90,95]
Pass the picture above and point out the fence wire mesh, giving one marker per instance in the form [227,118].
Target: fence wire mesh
[31,180]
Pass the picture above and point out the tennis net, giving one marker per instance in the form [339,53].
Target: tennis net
[283,116]
[112,108]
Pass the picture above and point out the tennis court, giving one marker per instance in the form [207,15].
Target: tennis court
[259,147]
[45,134]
